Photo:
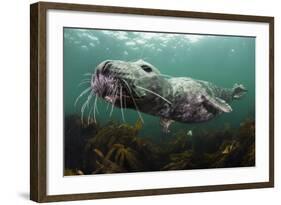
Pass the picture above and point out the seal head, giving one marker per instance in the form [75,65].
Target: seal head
[138,85]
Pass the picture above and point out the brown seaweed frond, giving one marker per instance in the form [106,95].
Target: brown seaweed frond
[124,156]
[179,161]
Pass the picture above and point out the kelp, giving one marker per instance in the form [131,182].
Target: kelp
[105,166]
[114,133]
[124,156]
[180,161]
[240,151]
[119,147]
[180,142]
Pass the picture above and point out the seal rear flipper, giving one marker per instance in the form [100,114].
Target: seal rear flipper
[165,123]
[217,104]
[238,91]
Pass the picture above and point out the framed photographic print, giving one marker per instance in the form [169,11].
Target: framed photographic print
[134,102]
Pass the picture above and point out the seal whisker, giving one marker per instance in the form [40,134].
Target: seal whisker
[125,101]
[110,90]
[113,102]
[84,82]
[137,109]
[81,94]
[85,105]
[127,85]
[95,107]
[88,101]
[92,107]
[107,106]
[86,78]
[90,112]
[132,97]
[150,91]
[82,111]
[164,75]
[121,104]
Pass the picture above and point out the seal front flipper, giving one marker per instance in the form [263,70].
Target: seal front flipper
[214,104]
[165,123]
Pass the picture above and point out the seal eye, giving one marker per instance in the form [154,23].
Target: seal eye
[146,68]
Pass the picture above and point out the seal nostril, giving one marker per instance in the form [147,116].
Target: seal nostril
[105,64]
[105,68]
[105,71]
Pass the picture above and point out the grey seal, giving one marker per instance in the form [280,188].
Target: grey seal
[139,85]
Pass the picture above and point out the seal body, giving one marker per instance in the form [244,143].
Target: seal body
[197,101]
[139,85]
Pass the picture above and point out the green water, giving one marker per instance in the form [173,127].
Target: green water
[223,60]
